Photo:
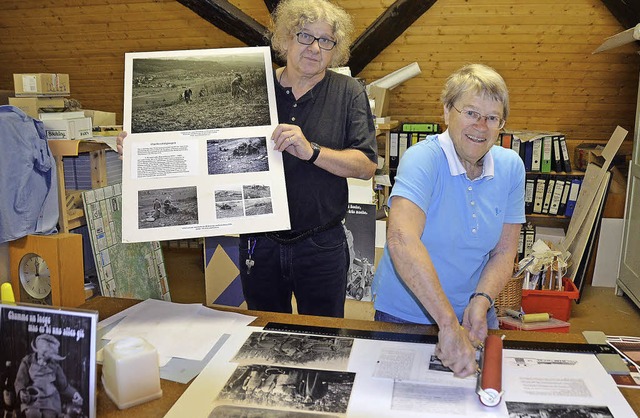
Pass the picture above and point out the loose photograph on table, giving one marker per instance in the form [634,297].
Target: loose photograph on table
[275,348]
[286,388]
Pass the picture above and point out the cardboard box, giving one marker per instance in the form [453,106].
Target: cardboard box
[68,129]
[549,234]
[555,302]
[100,118]
[381,97]
[587,153]
[34,85]
[32,106]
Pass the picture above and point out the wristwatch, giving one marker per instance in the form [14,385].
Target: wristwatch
[316,152]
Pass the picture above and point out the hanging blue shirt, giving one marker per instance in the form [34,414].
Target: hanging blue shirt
[28,182]
[464,220]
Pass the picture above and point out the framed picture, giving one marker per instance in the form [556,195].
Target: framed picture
[48,360]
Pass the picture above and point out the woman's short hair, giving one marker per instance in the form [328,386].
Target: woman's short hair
[479,79]
[292,15]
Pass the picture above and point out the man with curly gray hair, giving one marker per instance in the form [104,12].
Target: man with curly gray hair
[326,134]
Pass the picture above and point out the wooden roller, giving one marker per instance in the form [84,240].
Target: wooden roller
[489,387]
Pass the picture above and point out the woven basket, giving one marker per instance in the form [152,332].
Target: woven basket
[510,297]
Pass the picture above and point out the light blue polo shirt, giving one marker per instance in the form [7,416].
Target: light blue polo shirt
[464,220]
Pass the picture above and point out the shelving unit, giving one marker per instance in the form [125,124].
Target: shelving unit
[550,220]
[70,201]
[383,134]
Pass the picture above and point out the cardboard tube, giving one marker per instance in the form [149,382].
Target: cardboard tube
[393,80]
[535,317]
[490,385]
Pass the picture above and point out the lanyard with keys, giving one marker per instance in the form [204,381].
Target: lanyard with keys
[251,246]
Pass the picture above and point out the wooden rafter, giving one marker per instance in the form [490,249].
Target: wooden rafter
[230,19]
[626,11]
[386,29]
[271,4]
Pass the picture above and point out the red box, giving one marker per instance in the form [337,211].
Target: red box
[555,302]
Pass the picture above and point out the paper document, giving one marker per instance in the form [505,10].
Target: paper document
[177,330]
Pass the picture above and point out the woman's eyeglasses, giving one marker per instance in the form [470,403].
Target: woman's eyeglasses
[492,121]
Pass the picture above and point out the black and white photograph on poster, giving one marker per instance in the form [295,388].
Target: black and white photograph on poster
[198,91]
[330,353]
[257,199]
[237,155]
[192,115]
[228,202]
[360,228]
[47,360]
[168,207]
[288,388]
[238,411]
[549,410]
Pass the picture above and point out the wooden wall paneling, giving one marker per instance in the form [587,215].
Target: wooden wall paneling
[542,48]
[386,28]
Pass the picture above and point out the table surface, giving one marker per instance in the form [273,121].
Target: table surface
[171,391]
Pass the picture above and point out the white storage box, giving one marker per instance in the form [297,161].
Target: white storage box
[79,128]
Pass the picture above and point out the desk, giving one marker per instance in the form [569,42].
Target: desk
[172,390]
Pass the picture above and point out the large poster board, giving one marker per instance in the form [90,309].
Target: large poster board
[198,159]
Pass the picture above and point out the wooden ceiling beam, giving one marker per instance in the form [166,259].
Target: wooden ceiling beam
[229,18]
[386,29]
[625,11]
[271,4]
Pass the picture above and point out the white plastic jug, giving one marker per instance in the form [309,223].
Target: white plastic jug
[130,372]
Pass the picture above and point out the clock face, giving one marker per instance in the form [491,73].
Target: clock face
[35,278]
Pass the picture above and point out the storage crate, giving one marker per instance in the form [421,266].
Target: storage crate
[555,302]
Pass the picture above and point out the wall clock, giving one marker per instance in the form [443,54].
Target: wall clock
[48,269]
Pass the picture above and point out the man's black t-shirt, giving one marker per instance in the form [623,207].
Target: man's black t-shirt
[335,114]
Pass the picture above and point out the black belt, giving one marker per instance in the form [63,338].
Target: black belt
[291,237]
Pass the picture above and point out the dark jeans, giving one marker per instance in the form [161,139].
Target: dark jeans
[313,269]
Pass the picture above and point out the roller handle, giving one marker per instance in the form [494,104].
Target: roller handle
[489,387]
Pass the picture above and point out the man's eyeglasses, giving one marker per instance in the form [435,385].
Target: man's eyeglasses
[307,39]
[493,121]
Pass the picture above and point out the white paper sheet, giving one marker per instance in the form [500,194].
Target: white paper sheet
[185,331]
